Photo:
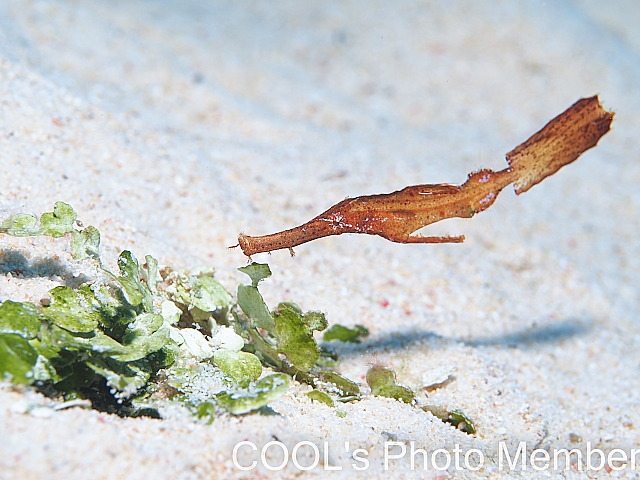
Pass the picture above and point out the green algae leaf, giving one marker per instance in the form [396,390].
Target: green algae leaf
[257,272]
[59,222]
[264,350]
[167,355]
[52,339]
[382,381]
[238,365]
[206,412]
[256,395]
[208,295]
[380,377]
[344,334]
[144,336]
[103,344]
[295,340]
[152,273]
[140,346]
[321,397]
[181,291]
[85,243]
[145,324]
[20,318]
[292,305]
[115,313]
[201,294]
[55,340]
[20,225]
[43,370]
[83,334]
[17,358]
[315,321]
[135,291]
[343,386]
[398,392]
[252,304]
[123,377]
[454,417]
[461,421]
[73,310]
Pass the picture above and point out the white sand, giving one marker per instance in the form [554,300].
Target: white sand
[172,126]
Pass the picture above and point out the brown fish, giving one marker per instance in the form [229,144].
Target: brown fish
[395,216]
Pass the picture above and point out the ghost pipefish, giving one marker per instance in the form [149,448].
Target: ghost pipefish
[395,216]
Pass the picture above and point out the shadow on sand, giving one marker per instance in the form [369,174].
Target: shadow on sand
[16,263]
[532,337]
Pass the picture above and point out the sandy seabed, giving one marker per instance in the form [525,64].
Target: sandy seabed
[172,126]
